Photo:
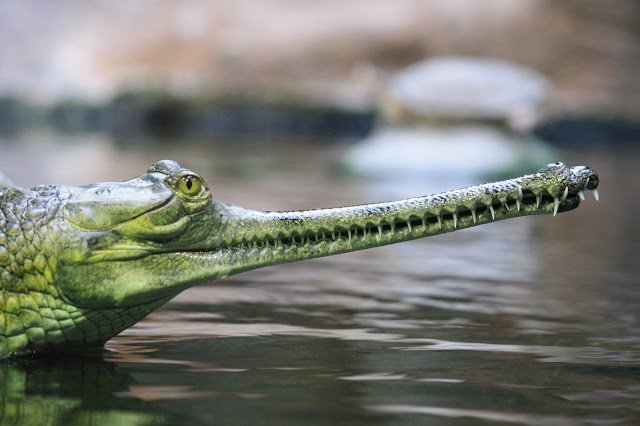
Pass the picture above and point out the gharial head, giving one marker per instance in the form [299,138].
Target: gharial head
[148,238]
[137,241]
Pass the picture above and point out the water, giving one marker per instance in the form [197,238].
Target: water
[527,321]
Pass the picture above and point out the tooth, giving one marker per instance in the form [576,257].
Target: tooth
[556,203]
[333,236]
[581,194]
[596,194]
[493,212]
[424,221]
[519,193]
[473,215]
[380,230]
[255,244]
[504,203]
[565,193]
[518,204]
[349,233]
[538,199]
[409,226]
[455,220]
[439,221]
[393,227]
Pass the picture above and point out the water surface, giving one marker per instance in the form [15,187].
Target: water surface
[527,321]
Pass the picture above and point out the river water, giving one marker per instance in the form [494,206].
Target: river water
[527,321]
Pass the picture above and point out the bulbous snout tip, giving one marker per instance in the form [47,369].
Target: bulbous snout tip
[587,176]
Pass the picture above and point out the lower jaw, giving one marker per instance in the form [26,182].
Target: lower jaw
[268,252]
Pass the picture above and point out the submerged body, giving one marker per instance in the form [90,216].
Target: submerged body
[80,264]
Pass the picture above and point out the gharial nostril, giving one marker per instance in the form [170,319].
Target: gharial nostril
[585,177]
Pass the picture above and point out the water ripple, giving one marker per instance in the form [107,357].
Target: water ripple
[486,415]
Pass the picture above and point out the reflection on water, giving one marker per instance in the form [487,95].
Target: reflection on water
[528,321]
[71,390]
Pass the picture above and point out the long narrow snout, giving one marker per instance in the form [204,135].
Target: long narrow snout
[254,238]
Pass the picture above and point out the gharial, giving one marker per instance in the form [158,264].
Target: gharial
[78,265]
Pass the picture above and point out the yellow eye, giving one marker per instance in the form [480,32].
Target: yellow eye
[190,185]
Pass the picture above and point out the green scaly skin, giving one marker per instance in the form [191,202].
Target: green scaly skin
[80,264]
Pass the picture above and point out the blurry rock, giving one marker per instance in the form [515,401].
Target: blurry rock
[465,88]
[456,119]
[312,52]
[460,153]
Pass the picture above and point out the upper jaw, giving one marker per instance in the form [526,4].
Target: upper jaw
[555,188]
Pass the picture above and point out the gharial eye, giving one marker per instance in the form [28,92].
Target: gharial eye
[190,185]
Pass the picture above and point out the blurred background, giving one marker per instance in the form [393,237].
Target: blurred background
[284,104]
[247,66]
[263,70]
[326,54]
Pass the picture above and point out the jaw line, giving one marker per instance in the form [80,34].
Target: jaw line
[235,258]
[464,218]
[341,235]
[250,239]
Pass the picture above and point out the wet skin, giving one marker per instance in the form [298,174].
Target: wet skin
[80,264]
